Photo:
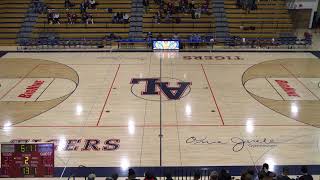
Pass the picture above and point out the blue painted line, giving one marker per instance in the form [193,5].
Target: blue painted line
[316,53]
[2,53]
[174,170]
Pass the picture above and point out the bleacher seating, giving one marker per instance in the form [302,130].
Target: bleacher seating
[102,21]
[203,26]
[269,20]
[12,15]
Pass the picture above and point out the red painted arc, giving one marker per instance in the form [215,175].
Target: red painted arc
[213,97]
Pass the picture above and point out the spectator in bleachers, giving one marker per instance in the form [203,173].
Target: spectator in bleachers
[91,176]
[131,174]
[198,13]
[92,4]
[74,18]
[149,39]
[238,4]
[145,5]
[214,175]
[149,176]
[159,37]
[246,5]
[126,18]
[114,17]
[196,175]
[224,175]
[250,5]
[264,172]
[50,16]
[111,37]
[318,25]
[248,175]
[245,176]
[168,176]
[205,9]
[83,6]
[307,35]
[167,19]
[305,174]
[69,17]
[109,10]
[178,20]
[156,19]
[90,18]
[195,40]
[56,18]
[284,174]
[84,17]
[39,7]
[193,13]
[192,4]
[176,36]
[68,4]
[120,17]
[113,177]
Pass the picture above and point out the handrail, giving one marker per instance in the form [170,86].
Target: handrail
[291,4]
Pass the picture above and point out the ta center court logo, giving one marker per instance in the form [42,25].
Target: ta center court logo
[150,89]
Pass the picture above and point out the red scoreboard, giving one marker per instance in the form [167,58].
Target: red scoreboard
[27,160]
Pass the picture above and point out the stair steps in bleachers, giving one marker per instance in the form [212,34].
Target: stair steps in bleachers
[221,30]
[26,28]
[136,21]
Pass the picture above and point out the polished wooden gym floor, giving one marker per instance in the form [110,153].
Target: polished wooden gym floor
[103,109]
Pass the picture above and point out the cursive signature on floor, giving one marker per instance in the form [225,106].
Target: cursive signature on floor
[205,140]
[237,142]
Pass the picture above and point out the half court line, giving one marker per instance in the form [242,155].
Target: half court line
[109,92]
[213,97]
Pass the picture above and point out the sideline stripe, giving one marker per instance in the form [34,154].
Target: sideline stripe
[2,53]
[180,171]
[105,103]
[214,99]
[316,53]
[156,126]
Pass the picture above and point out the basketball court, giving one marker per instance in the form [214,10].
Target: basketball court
[224,108]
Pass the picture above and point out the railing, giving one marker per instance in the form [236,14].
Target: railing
[291,4]
[146,45]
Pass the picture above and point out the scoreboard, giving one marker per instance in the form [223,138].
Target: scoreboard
[27,160]
[166,45]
